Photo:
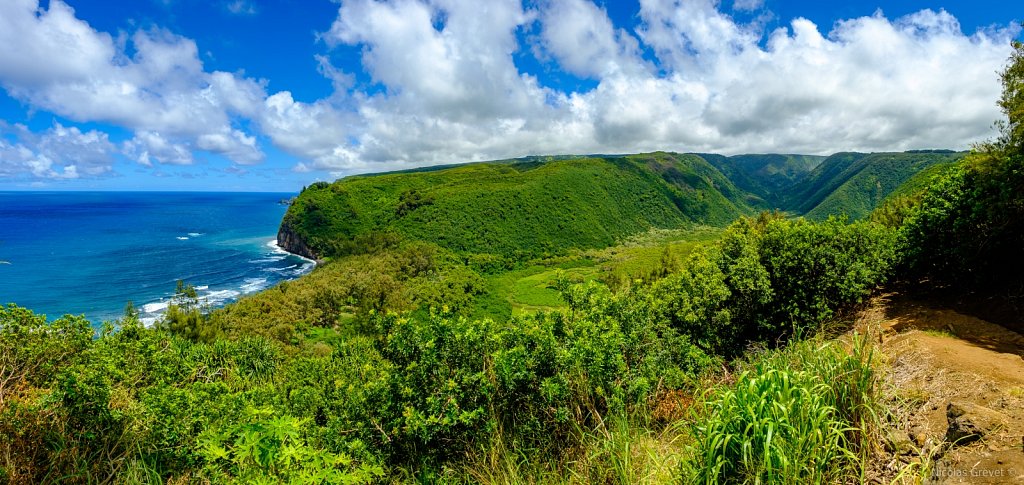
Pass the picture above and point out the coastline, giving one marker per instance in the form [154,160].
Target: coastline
[276,245]
[289,241]
[153,311]
[136,248]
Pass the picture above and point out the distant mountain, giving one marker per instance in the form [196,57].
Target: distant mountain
[855,183]
[922,179]
[768,176]
[816,187]
[521,207]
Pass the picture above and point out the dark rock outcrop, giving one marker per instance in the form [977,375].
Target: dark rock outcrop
[288,240]
[970,422]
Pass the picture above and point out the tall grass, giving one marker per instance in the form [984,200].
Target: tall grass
[626,449]
[803,414]
[622,449]
[800,415]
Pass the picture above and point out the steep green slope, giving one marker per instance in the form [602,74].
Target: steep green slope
[921,180]
[822,181]
[518,208]
[855,183]
[893,210]
[767,176]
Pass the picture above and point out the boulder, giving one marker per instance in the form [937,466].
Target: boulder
[970,422]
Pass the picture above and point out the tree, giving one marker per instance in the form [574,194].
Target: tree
[184,315]
[968,228]
[1012,101]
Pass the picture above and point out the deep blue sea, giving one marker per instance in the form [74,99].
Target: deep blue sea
[91,252]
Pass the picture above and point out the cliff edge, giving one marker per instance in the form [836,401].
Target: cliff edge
[288,240]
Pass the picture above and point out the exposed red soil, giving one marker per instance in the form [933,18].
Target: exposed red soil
[940,364]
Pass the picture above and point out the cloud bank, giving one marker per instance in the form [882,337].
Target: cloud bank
[57,153]
[447,85]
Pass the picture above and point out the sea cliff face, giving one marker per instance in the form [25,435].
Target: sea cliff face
[288,240]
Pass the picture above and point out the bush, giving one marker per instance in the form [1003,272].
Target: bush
[33,350]
[266,449]
[435,397]
[770,279]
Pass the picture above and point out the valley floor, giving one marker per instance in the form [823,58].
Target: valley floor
[949,376]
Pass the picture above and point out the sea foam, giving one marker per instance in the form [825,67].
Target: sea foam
[155,307]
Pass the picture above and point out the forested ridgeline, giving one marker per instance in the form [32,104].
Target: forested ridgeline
[512,211]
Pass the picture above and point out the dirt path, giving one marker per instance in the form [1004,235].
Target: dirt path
[958,393]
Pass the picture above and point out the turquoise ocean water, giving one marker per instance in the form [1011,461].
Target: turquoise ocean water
[91,252]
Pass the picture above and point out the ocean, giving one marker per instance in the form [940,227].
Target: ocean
[92,252]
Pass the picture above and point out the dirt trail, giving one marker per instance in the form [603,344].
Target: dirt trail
[954,378]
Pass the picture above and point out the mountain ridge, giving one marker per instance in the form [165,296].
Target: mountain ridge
[545,205]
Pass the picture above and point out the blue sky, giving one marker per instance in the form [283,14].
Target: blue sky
[275,94]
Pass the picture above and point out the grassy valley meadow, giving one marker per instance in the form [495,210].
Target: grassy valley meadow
[643,318]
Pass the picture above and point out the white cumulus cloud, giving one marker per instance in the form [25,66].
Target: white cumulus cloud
[58,153]
[442,81]
[453,92]
[56,62]
[148,147]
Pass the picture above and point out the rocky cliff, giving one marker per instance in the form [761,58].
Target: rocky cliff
[288,240]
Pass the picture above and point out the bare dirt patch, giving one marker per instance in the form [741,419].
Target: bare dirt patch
[956,394]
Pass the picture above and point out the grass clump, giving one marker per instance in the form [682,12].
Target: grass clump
[801,415]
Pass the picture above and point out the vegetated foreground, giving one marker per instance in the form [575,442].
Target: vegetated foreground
[548,396]
[495,346]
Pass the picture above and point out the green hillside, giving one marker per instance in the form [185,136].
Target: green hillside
[922,179]
[767,176]
[517,208]
[539,206]
[822,181]
[855,183]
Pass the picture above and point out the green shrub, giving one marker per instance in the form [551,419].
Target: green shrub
[967,230]
[272,450]
[436,394]
[33,350]
[770,279]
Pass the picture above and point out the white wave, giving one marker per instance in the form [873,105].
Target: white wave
[152,312]
[272,244]
[253,285]
[195,234]
[155,307]
[272,259]
[219,296]
[293,271]
[279,250]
